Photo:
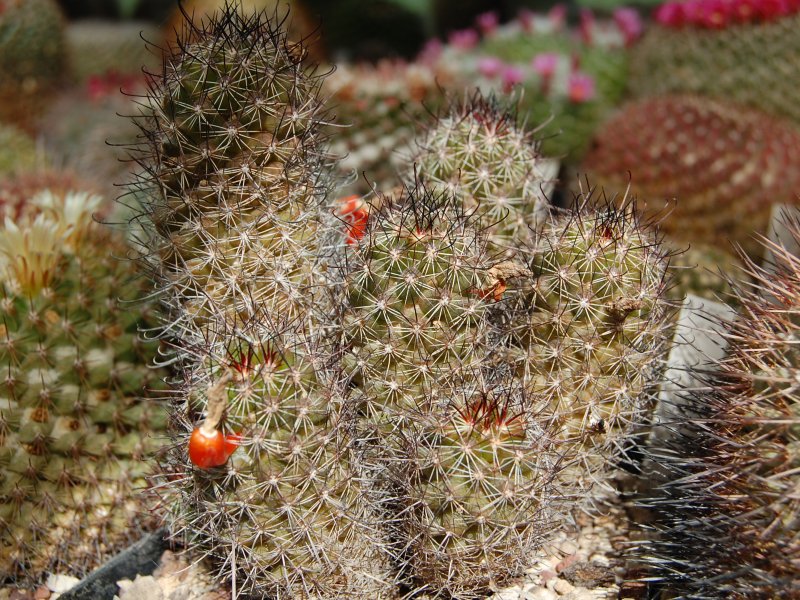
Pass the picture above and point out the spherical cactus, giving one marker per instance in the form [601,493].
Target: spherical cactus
[31,56]
[725,165]
[728,517]
[75,429]
[377,112]
[479,155]
[587,332]
[749,47]
[97,48]
[233,194]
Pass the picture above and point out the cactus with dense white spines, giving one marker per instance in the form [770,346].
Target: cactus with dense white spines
[478,154]
[587,331]
[74,428]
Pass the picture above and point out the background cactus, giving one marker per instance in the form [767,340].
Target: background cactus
[727,517]
[97,48]
[31,57]
[233,192]
[725,165]
[17,150]
[570,80]
[378,110]
[480,155]
[748,46]
[74,427]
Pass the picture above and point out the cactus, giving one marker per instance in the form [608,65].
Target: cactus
[97,48]
[587,332]
[725,165]
[475,484]
[377,111]
[752,53]
[31,56]
[17,150]
[727,518]
[478,154]
[234,186]
[570,81]
[74,427]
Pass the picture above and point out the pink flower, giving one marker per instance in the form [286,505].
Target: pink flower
[772,9]
[630,23]
[525,17]
[743,11]
[463,39]
[671,14]
[545,64]
[431,51]
[512,75]
[558,15]
[490,66]
[487,22]
[714,14]
[580,87]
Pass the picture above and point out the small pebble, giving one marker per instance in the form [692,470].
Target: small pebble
[61,583]
[42,593]
[140,588]
[563,587]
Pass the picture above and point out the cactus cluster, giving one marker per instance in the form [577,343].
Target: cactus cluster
[75,426]
[754,60]
[725,165]
[367,397]
[17,150]
[727,519]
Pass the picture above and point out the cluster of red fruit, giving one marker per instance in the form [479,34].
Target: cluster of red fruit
[719,14]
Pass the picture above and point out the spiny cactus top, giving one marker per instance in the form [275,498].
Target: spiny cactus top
[748,45]
[74,431]
[587,336]
[478,154]
[232,169]
[729,514]
[725,165]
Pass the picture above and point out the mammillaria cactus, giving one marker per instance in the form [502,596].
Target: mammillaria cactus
[588,336]
[74,427]
[728,516]
[478,154]
[31,56]
[233,194]
[748,46]
[725,165]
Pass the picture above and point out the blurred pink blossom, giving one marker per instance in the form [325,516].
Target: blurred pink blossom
[463,39]
[512,75]
[630,23]
[490,66]
[580,87]
[487,22]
